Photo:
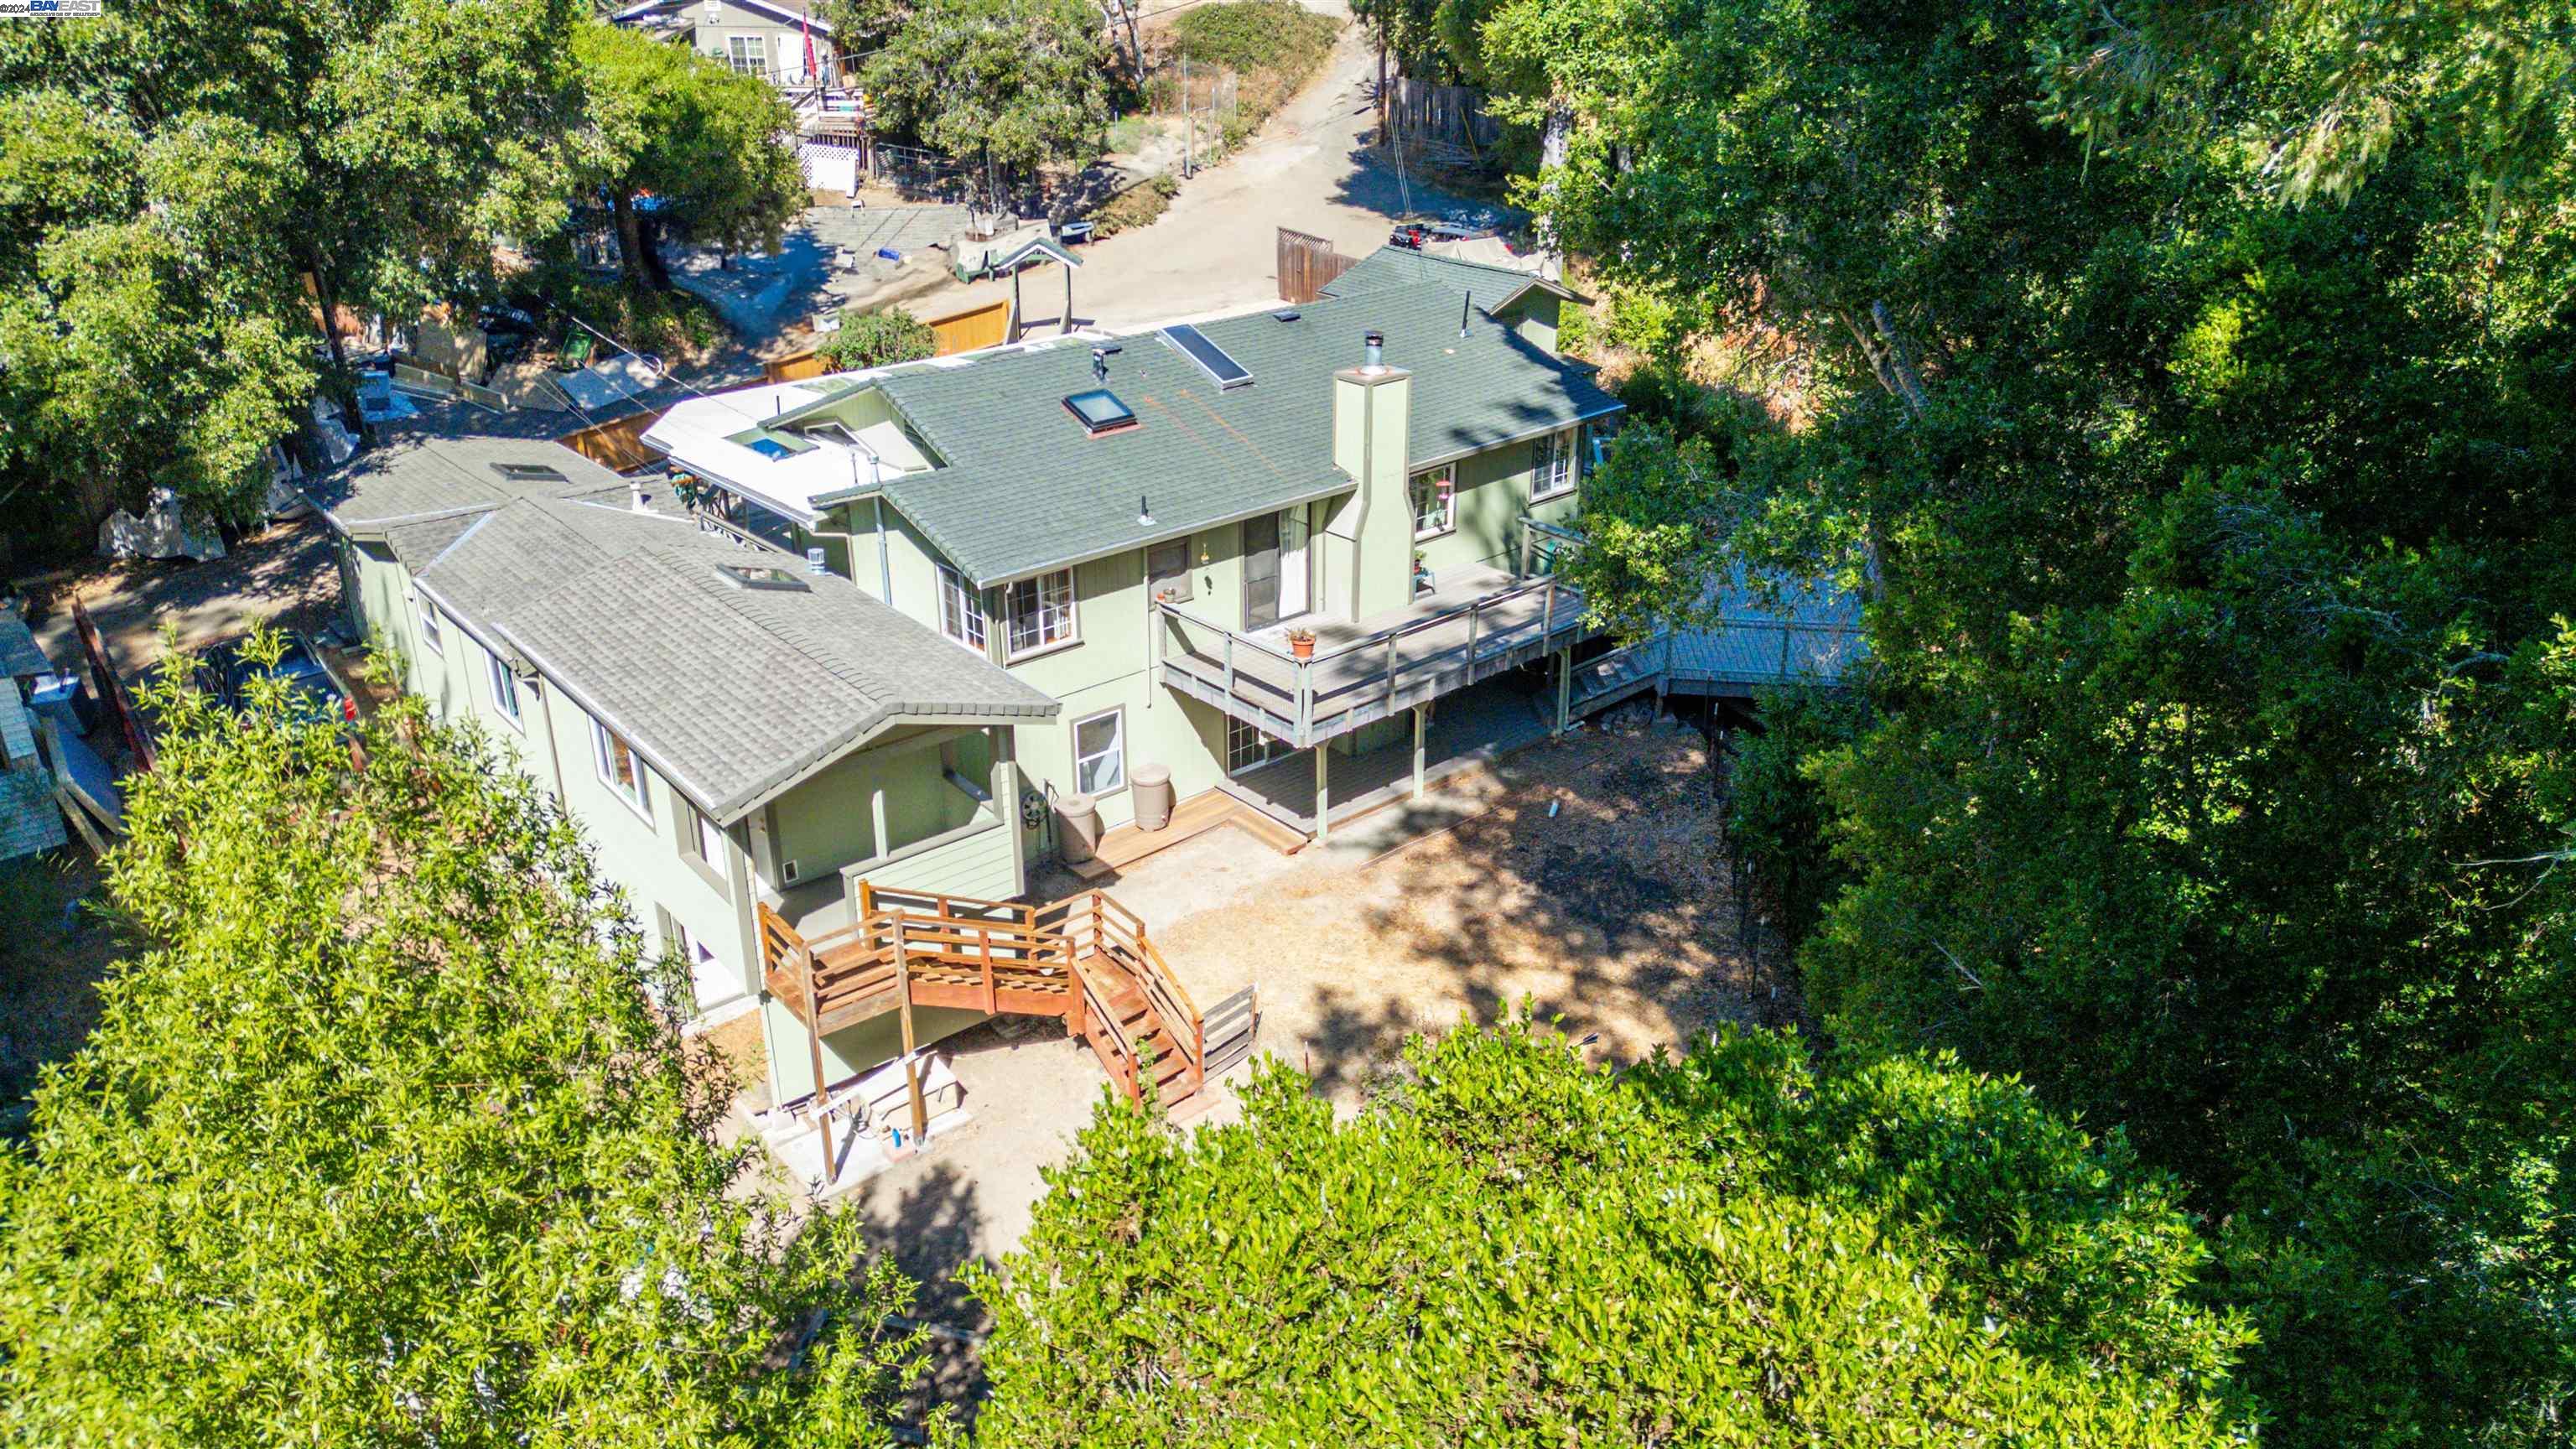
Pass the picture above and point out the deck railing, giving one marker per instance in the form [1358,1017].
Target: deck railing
[1291,697]
[1003,955]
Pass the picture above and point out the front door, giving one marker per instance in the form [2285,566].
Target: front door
[1261,571]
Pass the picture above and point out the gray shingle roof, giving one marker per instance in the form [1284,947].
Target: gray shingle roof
[1392,267]
[1024,488]
[20,655]
[730,692]
[422,478]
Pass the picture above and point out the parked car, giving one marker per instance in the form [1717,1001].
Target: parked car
[1410,235]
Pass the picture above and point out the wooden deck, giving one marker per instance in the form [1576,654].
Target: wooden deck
[1479,623]
[1208,810]
[1085,960]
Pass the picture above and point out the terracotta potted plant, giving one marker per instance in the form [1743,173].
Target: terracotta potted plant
[1301,643]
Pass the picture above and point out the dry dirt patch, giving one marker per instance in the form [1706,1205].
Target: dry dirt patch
[1593,884]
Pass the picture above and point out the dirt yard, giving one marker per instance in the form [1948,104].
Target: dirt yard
[1586,878]
[284,574]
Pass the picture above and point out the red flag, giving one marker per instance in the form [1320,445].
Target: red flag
[806,24]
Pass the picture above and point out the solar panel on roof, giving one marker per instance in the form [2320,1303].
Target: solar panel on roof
[1229,374]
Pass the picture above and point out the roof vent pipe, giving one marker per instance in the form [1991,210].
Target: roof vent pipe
[814,561]
[1375,353]
[637,497]
[1464,303]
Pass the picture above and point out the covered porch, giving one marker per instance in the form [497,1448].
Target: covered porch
[1314,789]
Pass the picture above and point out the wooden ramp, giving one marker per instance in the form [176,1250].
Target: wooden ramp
[1084,960]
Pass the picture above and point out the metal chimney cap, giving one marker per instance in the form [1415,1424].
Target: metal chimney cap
[1375,353]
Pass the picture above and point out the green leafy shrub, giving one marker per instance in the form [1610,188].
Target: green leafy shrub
[1139,205]
[1253,35]
[384,1140]
[1777,814]
[877,339]
[1514,1248]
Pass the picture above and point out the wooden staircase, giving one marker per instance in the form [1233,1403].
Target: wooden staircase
[1085,960]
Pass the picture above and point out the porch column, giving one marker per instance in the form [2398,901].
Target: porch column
[1323,792]
[1564,687]
[1006,802]
[1421,724]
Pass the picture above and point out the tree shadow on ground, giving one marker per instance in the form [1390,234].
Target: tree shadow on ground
[929,1226]
[1618,913]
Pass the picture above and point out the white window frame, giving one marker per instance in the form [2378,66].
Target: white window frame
[605,744]
[1117,751]
[1554,466]
[756,63]
[505,690]
[707,837]
[1444,484]
[430,638]
[1249,747]
[961,611]
[1054,609]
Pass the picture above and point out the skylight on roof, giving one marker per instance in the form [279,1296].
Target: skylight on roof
[761,576]
[528,472]
[770,448]
[1099,410]
[1212,359]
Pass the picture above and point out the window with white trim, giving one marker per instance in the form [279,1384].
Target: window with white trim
[505,689]
[1100,752]
[1435,501]
[749,54]
[429,635]
[1040,611]
[620,770]
[1248,747]
[1552,466]
[704,839]
[961,610]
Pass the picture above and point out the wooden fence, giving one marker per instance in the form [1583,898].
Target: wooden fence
[1419,111]
[616,445]
[1307,265]
[964,331]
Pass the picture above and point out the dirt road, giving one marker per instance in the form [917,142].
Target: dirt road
[1215,252]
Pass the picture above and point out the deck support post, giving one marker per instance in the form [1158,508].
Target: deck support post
[1323,792]
[1564,688]
[1421,726]
[814,1046]
[903,1004]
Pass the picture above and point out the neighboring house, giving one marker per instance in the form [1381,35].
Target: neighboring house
[1139,526]
[728,728]
[765,38]
[30,821]
[771,39]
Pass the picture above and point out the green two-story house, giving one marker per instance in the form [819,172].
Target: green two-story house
[1285,555]
[730,728]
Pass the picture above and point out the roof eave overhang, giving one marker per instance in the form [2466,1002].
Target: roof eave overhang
[1334,489]
[805,768]
[1434,460]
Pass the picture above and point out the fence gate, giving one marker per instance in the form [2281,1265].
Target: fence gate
[1307,265]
